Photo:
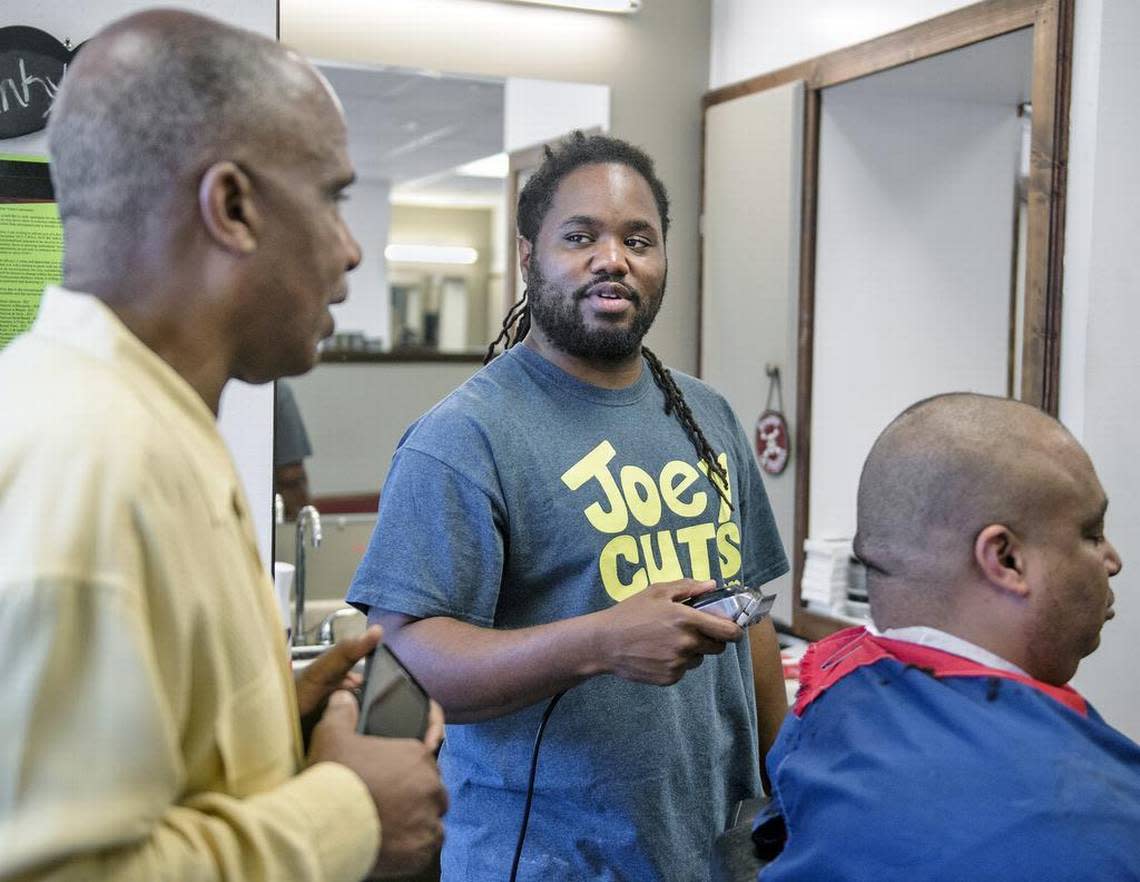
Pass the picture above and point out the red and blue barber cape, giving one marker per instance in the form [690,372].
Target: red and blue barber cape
[903,762]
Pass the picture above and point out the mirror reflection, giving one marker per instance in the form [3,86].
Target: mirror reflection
[428,151]
[433,156]
[920,248]
[917,249]
[438,156]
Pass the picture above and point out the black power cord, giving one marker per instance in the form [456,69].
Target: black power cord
[530,783]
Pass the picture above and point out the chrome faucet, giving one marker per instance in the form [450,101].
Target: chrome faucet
[308,516]
[326,634]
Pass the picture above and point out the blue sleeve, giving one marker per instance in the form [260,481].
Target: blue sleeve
[437,549]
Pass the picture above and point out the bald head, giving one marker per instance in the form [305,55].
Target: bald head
[155,98]
[199,170]
[943,470]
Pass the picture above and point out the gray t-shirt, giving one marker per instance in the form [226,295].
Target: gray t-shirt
[290,440]
[525,497]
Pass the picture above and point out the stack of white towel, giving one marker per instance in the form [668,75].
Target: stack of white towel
[825,571]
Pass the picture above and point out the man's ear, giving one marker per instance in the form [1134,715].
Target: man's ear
[526,248]
[225,203]
[1000,555]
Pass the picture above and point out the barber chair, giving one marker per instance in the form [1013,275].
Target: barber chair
[736,852]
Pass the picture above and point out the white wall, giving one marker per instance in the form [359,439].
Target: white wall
[356,413]
[914,246]
[1100,394]
[538,110]
[751,37]
[750,276]
[368,215]
[247,411]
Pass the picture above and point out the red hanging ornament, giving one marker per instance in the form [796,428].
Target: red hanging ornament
[773,444]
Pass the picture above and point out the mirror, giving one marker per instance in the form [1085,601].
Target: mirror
[926,252]
[433,154]
[425,208]
[916,248]
[437,156]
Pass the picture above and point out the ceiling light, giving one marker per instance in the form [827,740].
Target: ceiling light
[588,5]
[431,254]
[497,166]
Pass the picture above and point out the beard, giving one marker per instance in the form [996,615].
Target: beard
[560,318]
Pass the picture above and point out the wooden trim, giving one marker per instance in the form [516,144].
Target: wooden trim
[1045,234]
[405,355]
[1052,23]
[805,348]
[812,625]
[699,372]
[945,33]
[1062,54]
[1015,272]
[804,70]
[348,503]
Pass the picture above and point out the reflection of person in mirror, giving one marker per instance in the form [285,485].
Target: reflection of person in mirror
[538,529]
[290,448]
[944,743]
[151,724]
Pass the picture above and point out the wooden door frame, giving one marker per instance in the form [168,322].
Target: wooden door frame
[1052,25]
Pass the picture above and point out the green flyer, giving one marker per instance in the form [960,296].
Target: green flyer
[31,241]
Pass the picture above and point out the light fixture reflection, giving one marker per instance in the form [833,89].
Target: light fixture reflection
[496,166]
[456,254]
[625,6]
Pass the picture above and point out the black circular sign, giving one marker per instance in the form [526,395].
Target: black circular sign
[32,65]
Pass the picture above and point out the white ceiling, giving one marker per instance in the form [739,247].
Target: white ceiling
[452,189]
[407,125]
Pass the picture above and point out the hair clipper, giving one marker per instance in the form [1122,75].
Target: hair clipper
[745,606]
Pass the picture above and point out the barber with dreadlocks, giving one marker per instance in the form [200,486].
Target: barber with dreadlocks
[537,532]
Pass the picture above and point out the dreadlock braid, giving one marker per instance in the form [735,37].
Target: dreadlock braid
[520,313]
[675,403]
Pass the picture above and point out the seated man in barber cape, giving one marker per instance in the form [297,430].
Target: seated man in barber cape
[944,742]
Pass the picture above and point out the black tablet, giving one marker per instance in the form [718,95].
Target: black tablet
[393,704]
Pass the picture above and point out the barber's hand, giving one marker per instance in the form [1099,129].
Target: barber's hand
[401,776]
[332,670]
[652,638]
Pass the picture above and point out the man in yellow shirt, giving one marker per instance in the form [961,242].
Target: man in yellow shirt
[150,724]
